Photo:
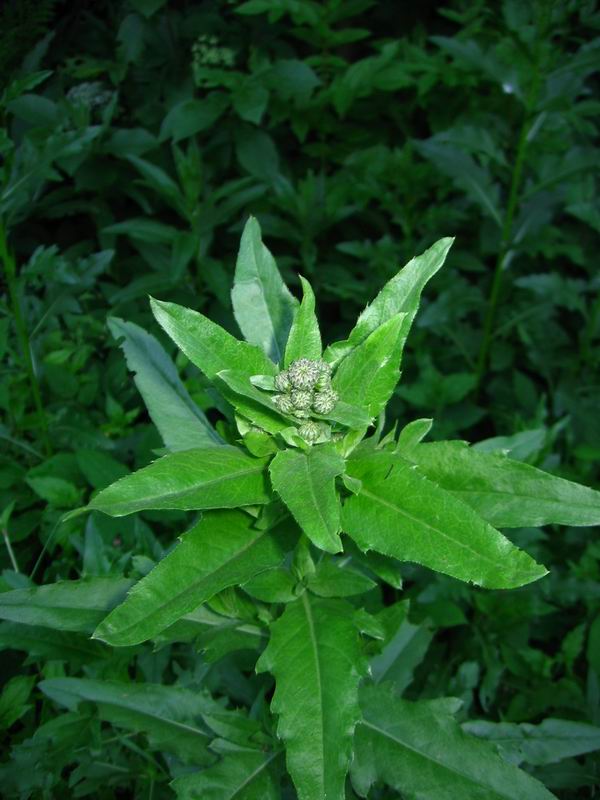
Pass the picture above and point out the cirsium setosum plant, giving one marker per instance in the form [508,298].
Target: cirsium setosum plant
[306,507]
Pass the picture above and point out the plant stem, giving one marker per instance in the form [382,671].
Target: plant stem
[513,199]
[11,553]
[11,279]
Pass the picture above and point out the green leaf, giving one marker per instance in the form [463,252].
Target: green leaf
[67,605]
[262,303]
[180,422]
[99,468]
[207,345]
[166,714]
[190,117]
[305,481]
[222,550]
[209,477]
[418,749]
[314,654]
[399,513]
[146,230]
[50,644]
[546,743]
[370,372]
[251,402]
[304,340]
[239,775]
[503,491]
[335,578]
[400,295]
[13,700]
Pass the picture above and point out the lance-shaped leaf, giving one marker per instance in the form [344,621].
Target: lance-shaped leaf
[251,402]
[546,743]
[401,294]
[305,481]
[51,644]
[368,375]
[209,477]
[239,775]
[314,654]
[262,303]
[503,491]
[180,422]
[399,513]
[304,340]
[222,550]
[207,345]
[419,750]
[67,605]
[168,715]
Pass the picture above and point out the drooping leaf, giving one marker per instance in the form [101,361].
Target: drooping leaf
[222,550]
[207,345]
[399,513]
[239,775]
[180,422]
[401,294]
[168,715]
[262,303]
[315,656]
[418,749]
[304,340]
[505,492]
[67,605]
[368,375]
[546,743]
[209,477]
[305,481]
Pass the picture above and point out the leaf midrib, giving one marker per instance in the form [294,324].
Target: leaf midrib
[319,682]
[428,757]
[253,775]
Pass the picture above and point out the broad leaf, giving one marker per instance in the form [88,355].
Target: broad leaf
[166,714]
[546,743]
[399,513]
[314,654]
[239,775]
[368,375]
[210,477]
[305,481]
[336,578]
[503,491]
[304,340]
[222,550]
[67,605]
[419,750]
[180,422]
[401,294]
[207,345]
[262,303]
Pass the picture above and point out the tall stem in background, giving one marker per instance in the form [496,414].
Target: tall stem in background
[513,195]
[10,270]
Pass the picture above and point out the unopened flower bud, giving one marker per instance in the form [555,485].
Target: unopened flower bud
[304,373]
[301,413]
[284,403]
[324,402]
[282,382]
[310,431]
[301,399]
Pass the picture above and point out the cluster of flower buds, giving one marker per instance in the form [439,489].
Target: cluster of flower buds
[305,387]
[207,52]
[90,94]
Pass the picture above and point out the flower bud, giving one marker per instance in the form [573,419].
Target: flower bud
[301,413]
[301,399]
[284,403]
[304,373]
[282,382]
[310,431]
[324,402]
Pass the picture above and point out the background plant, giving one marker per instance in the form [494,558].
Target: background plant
[379,111]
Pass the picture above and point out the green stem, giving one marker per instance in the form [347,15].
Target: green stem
[11,553]
[10,270]
[513,199]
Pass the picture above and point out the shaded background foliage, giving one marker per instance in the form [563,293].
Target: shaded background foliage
[136,137]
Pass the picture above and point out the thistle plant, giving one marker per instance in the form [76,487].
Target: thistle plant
[307,502]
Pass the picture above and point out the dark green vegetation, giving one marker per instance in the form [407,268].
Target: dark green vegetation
[137,137]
